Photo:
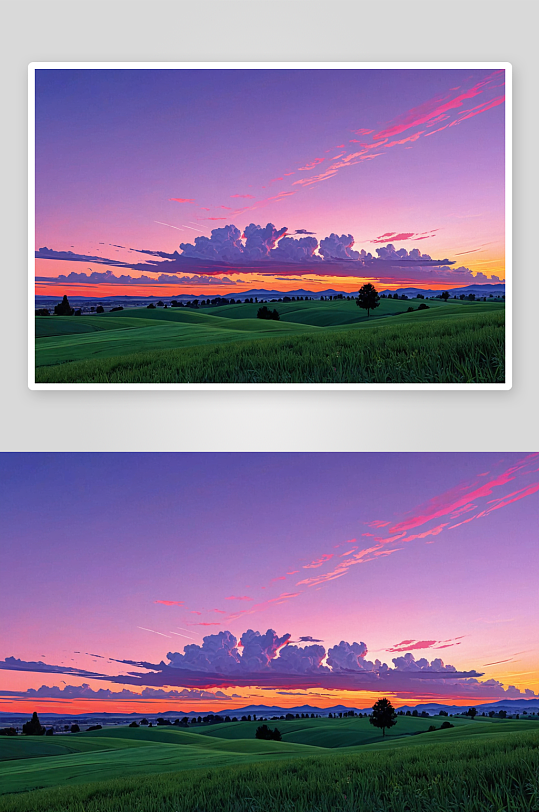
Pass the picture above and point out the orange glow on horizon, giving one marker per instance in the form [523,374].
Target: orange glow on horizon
[360,699]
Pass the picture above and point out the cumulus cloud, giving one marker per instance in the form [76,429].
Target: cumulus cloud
[301,660]
[109,278]
[264,249]
[84,691]
[346,657]
[291,250]
[260,241]
[335,247]
[225,244]
[271,661]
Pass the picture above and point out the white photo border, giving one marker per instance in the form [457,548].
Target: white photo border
[506,66]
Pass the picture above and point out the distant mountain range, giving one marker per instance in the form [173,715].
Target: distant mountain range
[509,705]
[479,290]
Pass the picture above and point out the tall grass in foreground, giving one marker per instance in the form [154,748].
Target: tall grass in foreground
[481,776]
[453,350]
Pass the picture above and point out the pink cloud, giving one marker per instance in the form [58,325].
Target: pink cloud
[318,562]
[316,178]
[238,598]
[408,645]
[250,197]
[435,107]
[171,603]
[456,498]
[181,199]
[311,165]
[405,235]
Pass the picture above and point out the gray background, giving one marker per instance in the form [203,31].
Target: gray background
[268,30]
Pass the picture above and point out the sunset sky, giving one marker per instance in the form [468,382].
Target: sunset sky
[314,578]
[332,166]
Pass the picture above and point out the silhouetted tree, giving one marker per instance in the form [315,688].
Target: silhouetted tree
[100,309]
[471,712]
[368,298]
[423,306]
[264,732]
[265,313]
[42,312]
[144,721]
[445,725]
[63,308]
[383,715]
[75,729]
[33,727]
[8,731]
[49,731]
[133,724]
[445,296]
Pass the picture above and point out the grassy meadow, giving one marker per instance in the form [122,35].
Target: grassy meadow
[485,765]
[313,342]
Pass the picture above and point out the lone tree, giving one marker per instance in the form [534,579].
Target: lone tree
[33,727]
[471,712]
[63,308]
[368,298]
[383,715]
[445,296]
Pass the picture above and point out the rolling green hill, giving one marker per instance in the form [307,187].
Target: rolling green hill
[424,347]
[471,767]
[313,342]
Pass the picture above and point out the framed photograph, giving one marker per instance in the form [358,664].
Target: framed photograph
[175,640]
[270,225]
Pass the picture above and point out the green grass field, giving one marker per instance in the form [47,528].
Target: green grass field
[314,342]
[321,765]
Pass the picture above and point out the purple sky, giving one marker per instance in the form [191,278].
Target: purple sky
[131,556]
[151,159]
